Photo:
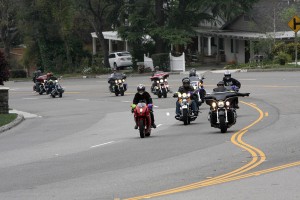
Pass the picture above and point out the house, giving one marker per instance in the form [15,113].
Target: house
[233,41]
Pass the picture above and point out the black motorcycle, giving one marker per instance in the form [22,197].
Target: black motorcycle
[55,89]
[222,113]
[118,85]
[197,83]
[186,112]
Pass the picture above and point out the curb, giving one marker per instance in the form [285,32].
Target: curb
[12,124]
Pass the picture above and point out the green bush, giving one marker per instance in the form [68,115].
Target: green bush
[282,58]
[18,73]
[162,60]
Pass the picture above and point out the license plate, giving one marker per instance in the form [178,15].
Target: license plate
[184,106]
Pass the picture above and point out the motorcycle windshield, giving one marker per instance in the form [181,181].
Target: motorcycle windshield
[194,78]
[141,105]
[222,95]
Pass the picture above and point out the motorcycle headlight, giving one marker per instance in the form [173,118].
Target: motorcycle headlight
[116,81]
[120,81]
[195,87]
[214,104]
[56,81]
[161,80]
[123,80]
[227,103]
[184,95]
[141,110]
[166,80]
[157,81]
[221,104]
[188,94]
[179,95]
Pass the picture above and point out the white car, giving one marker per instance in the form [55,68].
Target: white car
[119,60]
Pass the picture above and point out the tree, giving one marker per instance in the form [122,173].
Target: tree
[102,15]
[8,24]
[4,73]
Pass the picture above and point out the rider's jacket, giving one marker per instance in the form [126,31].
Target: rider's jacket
[145,97]
[231,81]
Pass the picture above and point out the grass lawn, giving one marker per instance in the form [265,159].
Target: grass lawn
[7,118]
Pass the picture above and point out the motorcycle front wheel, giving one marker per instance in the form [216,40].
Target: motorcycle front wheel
[142,128]
[185,117]
[223,125]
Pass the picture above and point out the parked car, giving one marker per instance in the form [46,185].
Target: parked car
[120,60]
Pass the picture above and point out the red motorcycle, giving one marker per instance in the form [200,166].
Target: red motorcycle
[39,84]
[160,86]
[142,118]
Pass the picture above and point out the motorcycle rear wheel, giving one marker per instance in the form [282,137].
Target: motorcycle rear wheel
[142,129]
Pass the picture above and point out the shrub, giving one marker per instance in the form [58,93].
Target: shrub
[282,58]
[18,73]
[162,60]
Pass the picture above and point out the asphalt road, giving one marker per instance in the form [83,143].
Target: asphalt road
[83,146]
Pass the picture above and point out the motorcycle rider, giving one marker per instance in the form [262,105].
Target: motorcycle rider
[49,84]
[221,88]
[143,95]
[229,81]
[193,72]
[111,79]
[186,88]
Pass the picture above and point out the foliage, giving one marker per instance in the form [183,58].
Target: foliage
[288,48]
[8,24]
[7,118]
[4,73]
[162,60]
[287,14]
[18,73]
[282,58]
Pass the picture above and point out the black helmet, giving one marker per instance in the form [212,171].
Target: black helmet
[220,84]
[227,75]
[186,82]
[192,72]
[141,88]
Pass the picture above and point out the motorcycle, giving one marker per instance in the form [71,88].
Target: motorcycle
[186,113]
[118,85]
[160,86]
[222,114]
[197,84]
[39,84]
[55,89]
[142,117]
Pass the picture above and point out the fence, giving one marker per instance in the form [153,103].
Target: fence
[148,62]
[176,63]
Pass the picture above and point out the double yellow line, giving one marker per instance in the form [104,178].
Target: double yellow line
[258,157]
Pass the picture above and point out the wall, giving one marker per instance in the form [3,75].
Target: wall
[231,57]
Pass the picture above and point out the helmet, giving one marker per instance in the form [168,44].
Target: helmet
[227,75]
[220,84]
[192,72]
[141,88]
[186,82]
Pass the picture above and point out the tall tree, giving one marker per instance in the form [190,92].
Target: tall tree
[8,24]
[102,15]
